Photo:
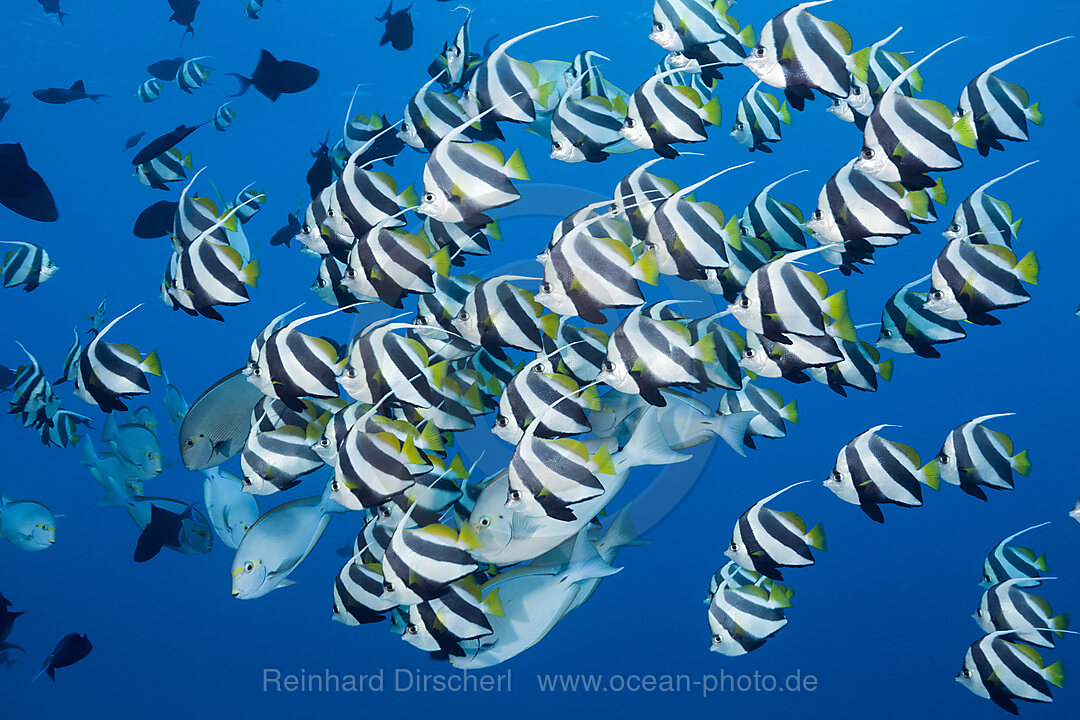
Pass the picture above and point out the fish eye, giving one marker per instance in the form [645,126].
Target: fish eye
[485,521]
[325,442]
[943,459]
[886,334]
[388,586]
[867,154]
[856,91]
[514,495]
[321,283]
[429,197]
[979,612]
[659,27]
[954,228]
[256,370]
[501,421]
[411,629]
[734,546]
[819,214]
[330,212]
[190,443]
[837,476]
[740,126]
[966,673]
[937,295]
[759,51]
[350,273]
[556,145]
[405,127]
[961,112]
[351,372]
[744,302]
[421,320]
[614,208]
[629,122]
[717,639]
[385,512]
[336,609]
[545,288]
[609,366]
[650,246]
[249,566]
[463,316]
[306,229]
[248,480]
[335,485]
[748,352]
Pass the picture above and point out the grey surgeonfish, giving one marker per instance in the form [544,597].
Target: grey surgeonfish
[975,457]
[1026,616]
[110,372]
[28,265]
[659,115]
[229,509]
[984,220]
[758,119]
[69,650]
[799,53]
[907,138]
[969,281]
[217,424]
[1004,672]
[136,444]
[907,326]
[26,524]
[278,542]
[871,471]
[999,108]
[1007,561]
[743,617]
[766,540]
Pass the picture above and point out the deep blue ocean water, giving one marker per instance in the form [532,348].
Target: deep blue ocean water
[881,622]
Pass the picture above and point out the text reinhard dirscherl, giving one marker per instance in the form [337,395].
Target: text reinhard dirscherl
[415,680]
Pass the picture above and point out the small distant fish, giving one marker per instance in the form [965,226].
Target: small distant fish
[1007,561]
[274,78]
[758,118]
[160,145]
[5,106]
[871,471]
[150,90]
[1004,672]
[184,14]
[800,53]
[1000,109]
[971,281]
[165,529]
[169,167]
[69,650]
[766,540]
[908,327]
[71,360]
[52,7]
[287,232]
[28,266]
[399,27]
[110,372]
[975,457]
[165,69]
[63,96]
[133,140]
[22,190]
[659,115]
[223,117]
[252,8]
[192,75]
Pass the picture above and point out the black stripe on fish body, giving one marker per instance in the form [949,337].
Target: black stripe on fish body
[992,215]
[1008,562]
[507,83]
[673,106]
[985,667]
[354,608]
[1023,667]
[466,615]
[889,458]
[778,534]
[761,560]
[888,205]
[103,357]
[790,281]
[809,30]
[991,454]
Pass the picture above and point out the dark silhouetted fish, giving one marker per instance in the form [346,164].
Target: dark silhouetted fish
[4,106]
[63,96]
[7,376]
[399,27]
[285,235]
[162,531]
[165,69]
[184,15]
[160,145]
[133,140]
[157,220]
[273,77]
[321,173]
[21,189]
[52,7]
[69,650]
[7,618]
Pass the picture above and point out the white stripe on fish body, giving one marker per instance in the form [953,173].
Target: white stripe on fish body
[150,90]
[402,258]
[367,199]
[660,113]
[871,470]
[274,460]
[679,24]
[315,215]
[968,281]
[859,369]
[213,273]
[742,618]
[764,539]
[583,351]
[547,477]
[590,274]
[470,169]
[527,399]
[764,60]
[662,361]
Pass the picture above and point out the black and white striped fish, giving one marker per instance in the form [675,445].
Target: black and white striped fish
[316,239]
[150,90]
[1004,672]
[193,74]
[735,575]
[454,66]
[766,358]
[877,68]
[290,365]
[459,614]
[871,471]
[758,118]
[32,395]
[247,204]
[683,75]
[781,299]
[975,457]
[999,109]
[329,286]
[388,263]
[581,351]
[645,355]
[392,363]
[373,467]
[207,273]
[497,314]
[370,132]
[29,265]
[462,181]
[223,117]
[908,327]
[709,58]
[1006,561]
[537,393]
[110,372]
[766,540]
[421,563]
[363,199]
[778,223]
[769,406]
[71,360]
[905,138]
[659,115]
[587,128]
[743,617]
[437,311]
[358,594]
[860,368]
[984,220]
[430,116]
[681,24]
[169,167]
[799,53]
[638,194]
[1027,617]
[584,275]
[968,281]
[275,460]
[61,429]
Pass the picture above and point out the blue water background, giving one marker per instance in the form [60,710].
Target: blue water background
[882,621]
